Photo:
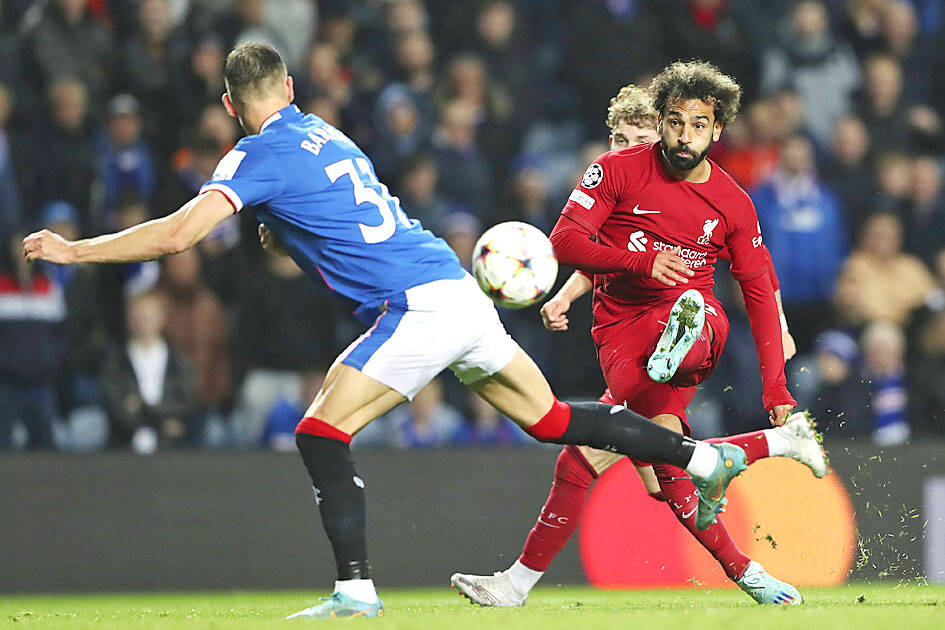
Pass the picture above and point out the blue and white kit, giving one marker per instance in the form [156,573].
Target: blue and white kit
[319,195]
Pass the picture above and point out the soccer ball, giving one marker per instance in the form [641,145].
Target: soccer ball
[514,264]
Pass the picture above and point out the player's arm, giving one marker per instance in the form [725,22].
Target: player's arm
[787,340]
[574,247]
[590,204]
[751,269]
[553,311]
[146,241]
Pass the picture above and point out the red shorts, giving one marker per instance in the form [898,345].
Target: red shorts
[625,348]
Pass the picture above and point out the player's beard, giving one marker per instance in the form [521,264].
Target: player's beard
[683,163]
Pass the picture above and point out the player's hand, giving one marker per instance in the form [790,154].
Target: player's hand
[269,241]
[553,314]
[46,245]
[787,341]
[779,414]
[670,269]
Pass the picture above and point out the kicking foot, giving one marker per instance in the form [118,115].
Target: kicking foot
[805,442]
[488,590]
[712,488]
[686,320]
[340,605]
[766,589]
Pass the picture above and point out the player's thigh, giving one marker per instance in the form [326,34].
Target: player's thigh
[519,390]
[669,421]
[350,399]
[599,460]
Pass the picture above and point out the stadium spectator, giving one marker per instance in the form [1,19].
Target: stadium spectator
[923,225]
[148,384]
[879,281]
[11,211]
[848,171]
[247,22]
[460,230]
[467,183]
[528,197]
[402,129]
[199,83]
[84,332]
[61,38]
[64,145]
[750,147]
[126,163]
[279,430]
[821,67]
[32,309]
[805,232]
[841,403]
[487,427]
[711,29]
[286,326]
[894,176]
[881,106]
[884,346]
[196,324]
[426,421]
[418,195]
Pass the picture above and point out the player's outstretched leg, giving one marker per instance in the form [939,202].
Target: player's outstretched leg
[748,574]
[797,438]
[683,328]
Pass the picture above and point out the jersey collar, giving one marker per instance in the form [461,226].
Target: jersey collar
[288,111]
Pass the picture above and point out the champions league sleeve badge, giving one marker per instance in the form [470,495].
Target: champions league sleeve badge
[592,176]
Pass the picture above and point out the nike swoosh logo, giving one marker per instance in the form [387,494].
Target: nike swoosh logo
[718,492]
[636,210]
[690,513]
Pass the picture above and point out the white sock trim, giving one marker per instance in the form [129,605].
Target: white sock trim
[523,579]
[778,445]
[361,590]
[704,459]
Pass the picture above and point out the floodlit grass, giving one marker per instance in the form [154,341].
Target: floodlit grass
[861,607]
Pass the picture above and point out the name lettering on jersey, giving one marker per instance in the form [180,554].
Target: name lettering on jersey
[227,166]
[593,176]
[581,198]
[320,137]
[693,258]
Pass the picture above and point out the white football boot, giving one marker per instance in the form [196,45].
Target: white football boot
[766,589]
[804,442]
[489,590]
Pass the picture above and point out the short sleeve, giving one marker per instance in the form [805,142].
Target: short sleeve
[595,196]
[744,243]
[248,175]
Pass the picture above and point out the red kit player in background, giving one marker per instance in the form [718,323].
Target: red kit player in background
[649,202]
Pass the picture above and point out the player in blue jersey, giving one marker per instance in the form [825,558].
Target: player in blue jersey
[318,195]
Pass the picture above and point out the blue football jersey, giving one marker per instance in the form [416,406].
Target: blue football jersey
[318,193]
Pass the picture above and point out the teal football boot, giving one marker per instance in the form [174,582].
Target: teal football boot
[686,320]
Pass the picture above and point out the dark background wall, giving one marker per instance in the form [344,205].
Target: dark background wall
[226,520]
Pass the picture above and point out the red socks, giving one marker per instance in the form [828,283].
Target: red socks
[682,499]
[755,444]
[562,510]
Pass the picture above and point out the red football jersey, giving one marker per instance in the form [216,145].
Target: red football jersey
[629,201]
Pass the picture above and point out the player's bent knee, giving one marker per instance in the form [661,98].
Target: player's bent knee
[319,428]
[668,421]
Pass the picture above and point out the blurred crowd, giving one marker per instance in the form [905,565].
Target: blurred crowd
[473,113]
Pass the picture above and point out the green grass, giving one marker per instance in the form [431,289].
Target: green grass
[861,607]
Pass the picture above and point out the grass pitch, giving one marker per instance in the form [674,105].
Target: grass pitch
[861,607]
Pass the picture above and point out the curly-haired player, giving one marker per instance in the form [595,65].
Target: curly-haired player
[632,120]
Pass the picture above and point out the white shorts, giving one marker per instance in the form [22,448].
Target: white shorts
[445,323]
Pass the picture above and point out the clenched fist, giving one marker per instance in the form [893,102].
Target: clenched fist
[46,245]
